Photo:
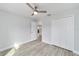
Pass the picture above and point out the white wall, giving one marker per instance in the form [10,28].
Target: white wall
[13,29]
[76,33]
[59,32]
[33,30]
[46,30]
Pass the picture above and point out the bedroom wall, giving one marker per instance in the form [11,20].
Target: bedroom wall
[13,29]
[59,32]
[33,29]
[46,30]
[76,33]
[59,26]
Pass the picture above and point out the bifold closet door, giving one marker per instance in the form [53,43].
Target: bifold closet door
[63,32]
[59,32]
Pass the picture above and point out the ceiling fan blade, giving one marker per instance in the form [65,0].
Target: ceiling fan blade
[42,11]
[30,6]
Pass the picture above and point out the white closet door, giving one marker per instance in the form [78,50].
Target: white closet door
[33,30]
[63,33]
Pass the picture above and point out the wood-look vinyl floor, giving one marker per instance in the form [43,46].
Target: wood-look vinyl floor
[38,48]
[3,53]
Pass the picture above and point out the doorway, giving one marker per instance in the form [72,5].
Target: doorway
[39,32]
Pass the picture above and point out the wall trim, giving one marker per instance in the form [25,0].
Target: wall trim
[11,46]
[6,48]
[75,52]
[56,45]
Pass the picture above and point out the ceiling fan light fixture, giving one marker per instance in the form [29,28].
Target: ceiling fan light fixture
[35,13]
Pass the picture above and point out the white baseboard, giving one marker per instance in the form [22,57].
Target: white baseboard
[6,48]
[11,46]
[25,42]
[61,47]
[56,45]
[76,52]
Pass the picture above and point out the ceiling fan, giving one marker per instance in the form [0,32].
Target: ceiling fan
[35,9]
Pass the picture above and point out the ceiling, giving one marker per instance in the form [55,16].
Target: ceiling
[22,9]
